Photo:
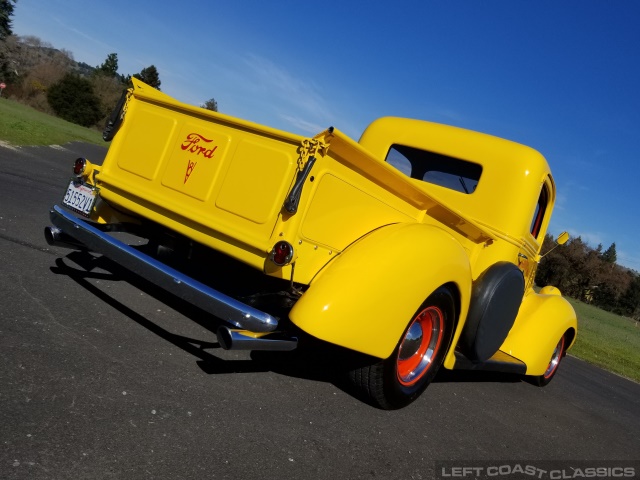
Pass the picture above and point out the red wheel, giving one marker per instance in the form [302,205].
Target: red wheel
[554,363]
[398,380]
[418,346]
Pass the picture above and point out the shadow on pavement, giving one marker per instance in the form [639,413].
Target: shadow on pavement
[312,360]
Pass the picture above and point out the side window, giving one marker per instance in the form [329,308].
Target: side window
[541,208]
[453,173]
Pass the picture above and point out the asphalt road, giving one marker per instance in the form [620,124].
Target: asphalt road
[102,379]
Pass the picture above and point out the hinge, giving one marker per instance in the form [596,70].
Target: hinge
[117,116]
[309,148]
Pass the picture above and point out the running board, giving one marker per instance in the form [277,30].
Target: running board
[499,362]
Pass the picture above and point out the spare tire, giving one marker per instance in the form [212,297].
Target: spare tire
[495,301]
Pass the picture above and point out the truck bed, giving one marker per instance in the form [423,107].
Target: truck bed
[224,182]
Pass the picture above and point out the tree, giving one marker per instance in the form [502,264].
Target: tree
[110,66]
[591,275]
[554,266]
[108,84]
[610,255]
[32,89]
[7,47]
[6,12]
[73,99]
[630,300]
[210,104]
[149,76]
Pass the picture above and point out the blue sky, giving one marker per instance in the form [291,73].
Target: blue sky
[562,77]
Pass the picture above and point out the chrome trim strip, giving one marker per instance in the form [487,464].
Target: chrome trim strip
[228,309]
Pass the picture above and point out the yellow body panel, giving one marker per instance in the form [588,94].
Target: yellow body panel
[541,322]
[330,218]
[367,296]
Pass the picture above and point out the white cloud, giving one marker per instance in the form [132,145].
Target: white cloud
[592,238]
[561,201]
[291,96]
[86,36]
[302,125]
[630,260]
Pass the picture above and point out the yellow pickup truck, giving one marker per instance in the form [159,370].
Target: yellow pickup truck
[413,248]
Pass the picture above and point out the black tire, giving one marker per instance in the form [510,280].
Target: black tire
[554,363]
[398,380]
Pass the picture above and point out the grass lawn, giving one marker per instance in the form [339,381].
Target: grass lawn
[607,340]
[22,125]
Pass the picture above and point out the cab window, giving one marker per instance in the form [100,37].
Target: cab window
[541,208]
[448,172]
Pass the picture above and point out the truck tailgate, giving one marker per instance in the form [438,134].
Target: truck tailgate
[188,168]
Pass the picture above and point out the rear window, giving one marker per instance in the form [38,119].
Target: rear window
[453,173]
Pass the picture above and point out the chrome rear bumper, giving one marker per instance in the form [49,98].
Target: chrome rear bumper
[74,232]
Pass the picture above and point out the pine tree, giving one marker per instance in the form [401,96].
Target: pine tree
[149,76]
[110,66]
[210,104]
[610,255]
[6,12]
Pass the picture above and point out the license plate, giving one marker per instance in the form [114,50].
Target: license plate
[80,197]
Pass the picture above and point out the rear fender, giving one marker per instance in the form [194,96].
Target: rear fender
[541,322]
[364,299]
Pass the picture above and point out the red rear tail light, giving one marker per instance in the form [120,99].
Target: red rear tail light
[282,253]
[79,166]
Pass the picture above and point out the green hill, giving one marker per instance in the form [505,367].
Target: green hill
[607,340]
[22,125]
